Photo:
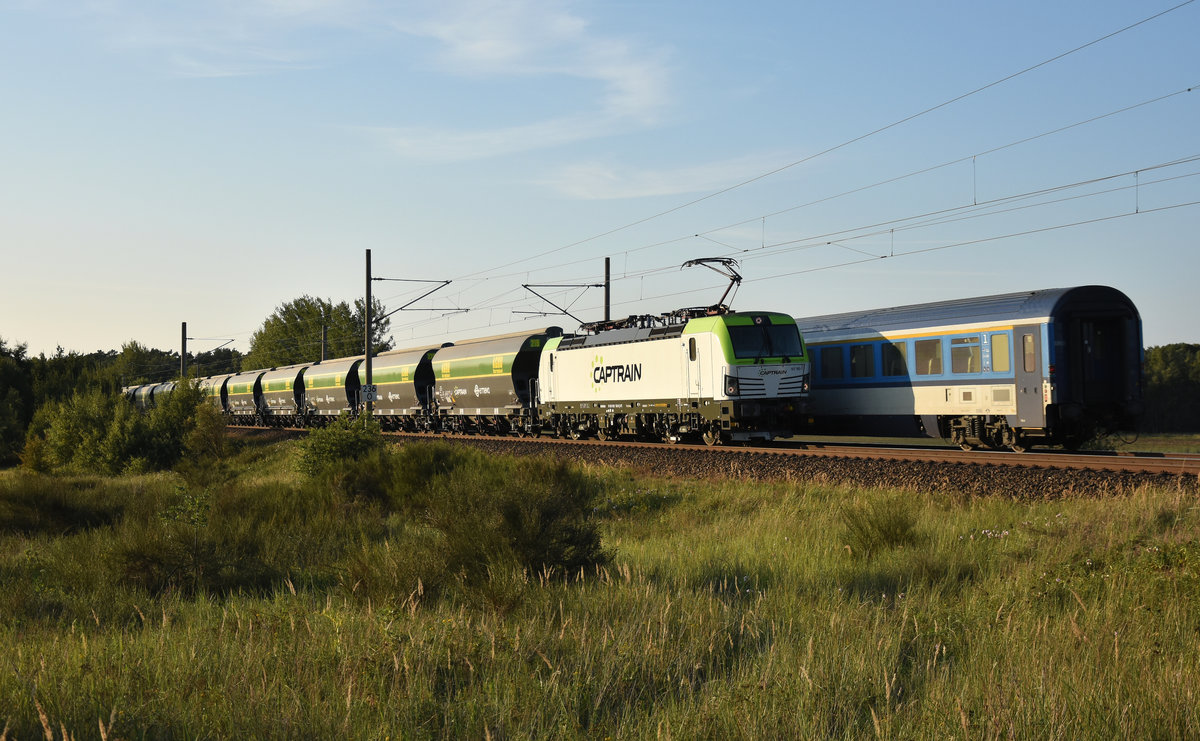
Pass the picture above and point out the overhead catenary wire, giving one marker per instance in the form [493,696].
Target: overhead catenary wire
[907,223]
[824,240]
[704,234]
[844,144]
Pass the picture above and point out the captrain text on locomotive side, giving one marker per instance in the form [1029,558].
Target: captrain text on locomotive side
[707,373]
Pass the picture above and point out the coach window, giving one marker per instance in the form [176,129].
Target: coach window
[895,358]
[1000,357]
[929,357]
[965,355]
[831,363]
[862,361]
[1030,353]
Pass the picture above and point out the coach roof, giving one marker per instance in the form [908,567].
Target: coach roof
[1005,308]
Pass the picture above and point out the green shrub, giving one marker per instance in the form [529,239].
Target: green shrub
[205,448]
[95,432]
[327,450]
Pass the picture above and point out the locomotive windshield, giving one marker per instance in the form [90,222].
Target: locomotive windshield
[766,341]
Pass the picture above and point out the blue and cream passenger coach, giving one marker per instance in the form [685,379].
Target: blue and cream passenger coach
[1042,367]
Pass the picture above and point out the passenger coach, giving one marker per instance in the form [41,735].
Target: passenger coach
[1044,367]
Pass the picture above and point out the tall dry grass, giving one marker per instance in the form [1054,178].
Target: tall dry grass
[727,610]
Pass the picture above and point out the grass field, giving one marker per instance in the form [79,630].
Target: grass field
[274,609]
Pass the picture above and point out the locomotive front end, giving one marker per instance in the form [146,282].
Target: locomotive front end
[764,374]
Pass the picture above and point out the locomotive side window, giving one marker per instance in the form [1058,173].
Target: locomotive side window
[895,358]
[691,348]
[1030,353]
[831,363]
[862,361]
[929,357]
[965,355]
[1001,362]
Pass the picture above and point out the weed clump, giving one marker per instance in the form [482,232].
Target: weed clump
[472,524]
[878,523]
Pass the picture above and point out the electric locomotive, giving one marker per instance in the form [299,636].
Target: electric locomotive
[706,373]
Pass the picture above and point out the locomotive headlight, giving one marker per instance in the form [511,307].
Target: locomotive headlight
[732,388]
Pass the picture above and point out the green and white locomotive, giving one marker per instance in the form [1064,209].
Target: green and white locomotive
[706,373]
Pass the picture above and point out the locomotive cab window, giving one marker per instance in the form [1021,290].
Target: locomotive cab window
[965,355]
[929,357]
[895,358]
[862,361]
[831,363]
[766,341]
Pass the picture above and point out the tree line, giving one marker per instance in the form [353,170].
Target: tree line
[1172,388]
[290,335]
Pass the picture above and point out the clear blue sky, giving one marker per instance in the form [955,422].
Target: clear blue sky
[205,162]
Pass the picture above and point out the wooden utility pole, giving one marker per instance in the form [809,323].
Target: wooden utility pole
[183,351]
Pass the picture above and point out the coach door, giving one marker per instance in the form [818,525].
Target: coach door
[1030,410]
[1101,363]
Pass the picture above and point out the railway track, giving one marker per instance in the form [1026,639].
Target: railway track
[1175,463]
[1045,474]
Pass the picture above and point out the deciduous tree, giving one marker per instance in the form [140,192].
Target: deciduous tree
[292,334]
